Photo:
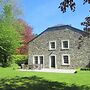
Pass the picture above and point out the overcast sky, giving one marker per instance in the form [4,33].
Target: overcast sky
[41,14]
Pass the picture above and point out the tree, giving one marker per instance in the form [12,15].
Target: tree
[70,3]
[27,35]
[86,24]
[9,37]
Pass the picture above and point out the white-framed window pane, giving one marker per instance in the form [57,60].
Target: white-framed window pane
[41,59]
[53,45]
[36,59]
[66,59]
[65,44]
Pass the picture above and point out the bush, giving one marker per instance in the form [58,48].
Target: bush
[85,69]
[15,66]
[19,59]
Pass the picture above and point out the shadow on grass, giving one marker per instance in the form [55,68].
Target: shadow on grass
[36,83]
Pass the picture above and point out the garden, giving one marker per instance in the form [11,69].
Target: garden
[14,79]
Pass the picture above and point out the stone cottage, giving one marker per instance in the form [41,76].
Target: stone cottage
[61,47]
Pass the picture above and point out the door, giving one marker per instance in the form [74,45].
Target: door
[52,61]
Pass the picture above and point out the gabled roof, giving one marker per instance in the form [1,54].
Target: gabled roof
[61,27]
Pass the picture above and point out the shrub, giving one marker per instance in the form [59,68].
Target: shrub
[19,59]
[15,66]
[85,69]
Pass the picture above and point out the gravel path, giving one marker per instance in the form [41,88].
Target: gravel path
[52,70]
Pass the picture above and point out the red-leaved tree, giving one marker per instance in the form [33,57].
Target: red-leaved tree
[27,35]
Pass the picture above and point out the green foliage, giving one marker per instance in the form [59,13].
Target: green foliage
[19,59]
[15,66]
[85,69]
[9,37]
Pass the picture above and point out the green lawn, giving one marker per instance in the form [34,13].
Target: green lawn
[17,80]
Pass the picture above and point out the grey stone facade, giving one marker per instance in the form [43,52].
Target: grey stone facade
[79,47]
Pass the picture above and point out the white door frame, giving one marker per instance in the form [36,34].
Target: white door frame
[50,61]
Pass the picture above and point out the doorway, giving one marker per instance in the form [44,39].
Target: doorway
[52,61]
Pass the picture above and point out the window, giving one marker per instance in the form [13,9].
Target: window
[41,59]
[65,44]
[38,59]
[52,45]
[65,59]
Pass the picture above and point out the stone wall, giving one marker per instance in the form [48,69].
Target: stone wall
[79,50]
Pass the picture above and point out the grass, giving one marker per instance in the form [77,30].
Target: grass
[16,80]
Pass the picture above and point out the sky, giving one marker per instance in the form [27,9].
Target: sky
[41,14]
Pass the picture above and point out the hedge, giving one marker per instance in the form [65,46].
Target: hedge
[19,59]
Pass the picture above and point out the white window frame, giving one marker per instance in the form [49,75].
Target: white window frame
[63,59]
[50,61]
[38,59]
[50,45]
[63,45]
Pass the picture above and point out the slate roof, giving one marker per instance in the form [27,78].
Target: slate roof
[61,27]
